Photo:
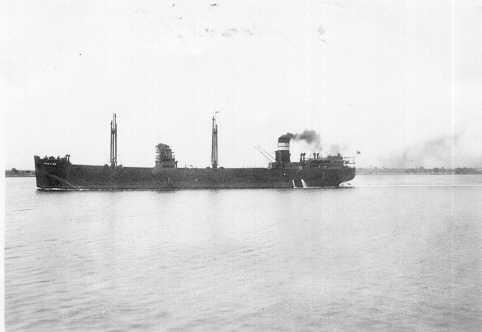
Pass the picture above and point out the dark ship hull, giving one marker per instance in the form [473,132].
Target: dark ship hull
[59,173]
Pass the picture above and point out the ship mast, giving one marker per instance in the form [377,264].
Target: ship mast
[113,142]
[214,143]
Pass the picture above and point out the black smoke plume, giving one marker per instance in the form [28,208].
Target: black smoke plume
[311,137]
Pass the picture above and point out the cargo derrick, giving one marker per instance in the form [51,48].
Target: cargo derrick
[113,142]
[214,143]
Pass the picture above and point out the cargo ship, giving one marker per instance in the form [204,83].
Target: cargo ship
[314,171]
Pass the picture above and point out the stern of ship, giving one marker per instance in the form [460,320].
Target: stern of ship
[52,172]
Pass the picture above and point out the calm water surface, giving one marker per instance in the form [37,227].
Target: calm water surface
[392,253]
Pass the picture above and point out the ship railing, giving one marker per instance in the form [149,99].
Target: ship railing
[349,160]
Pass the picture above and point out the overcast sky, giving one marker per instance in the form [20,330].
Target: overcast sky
[399,81]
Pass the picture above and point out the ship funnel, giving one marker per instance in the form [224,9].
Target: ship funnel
[284,142]
[283,152]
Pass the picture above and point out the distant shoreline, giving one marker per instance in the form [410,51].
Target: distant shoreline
[16,173]
[419,170]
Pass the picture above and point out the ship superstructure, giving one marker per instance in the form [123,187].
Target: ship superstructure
[311,171]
